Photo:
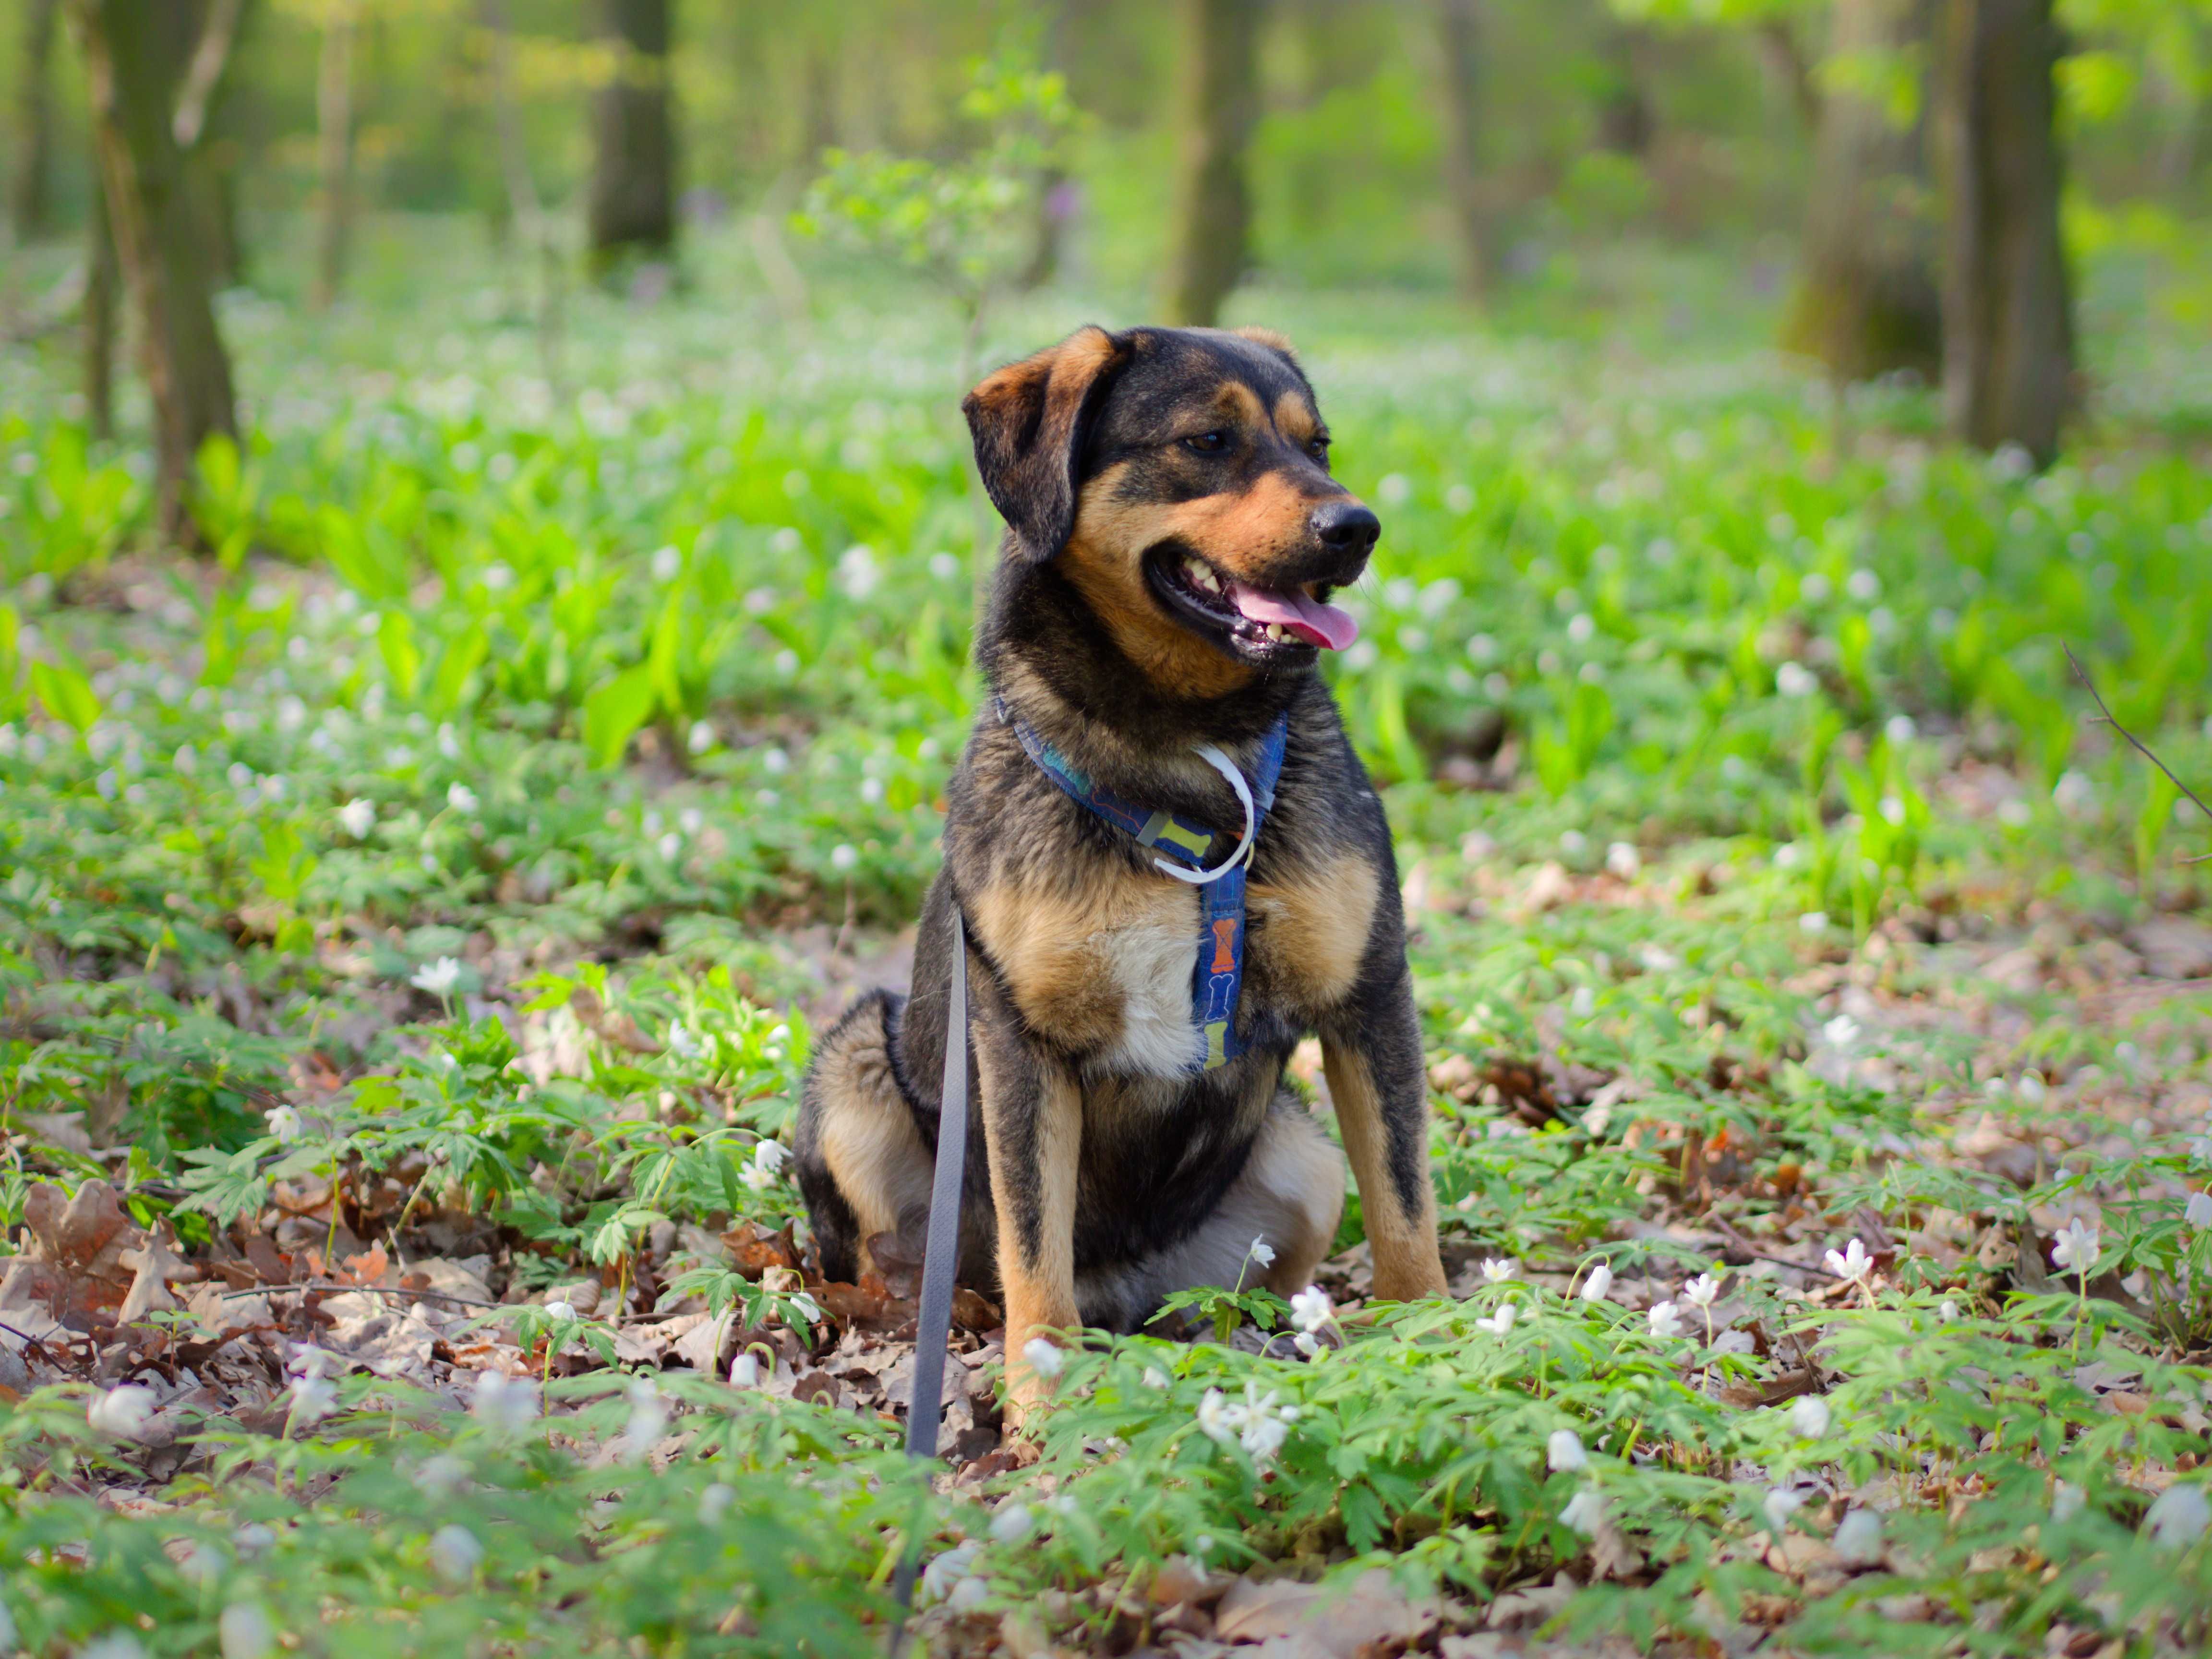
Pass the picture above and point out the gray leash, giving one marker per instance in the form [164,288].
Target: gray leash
[940,1256]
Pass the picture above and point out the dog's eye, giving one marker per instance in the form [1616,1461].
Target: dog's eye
[1208,443]
[1318,449]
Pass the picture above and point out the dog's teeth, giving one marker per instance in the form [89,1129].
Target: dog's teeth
[1275,633]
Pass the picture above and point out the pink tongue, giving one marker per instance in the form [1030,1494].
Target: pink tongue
[1315,623]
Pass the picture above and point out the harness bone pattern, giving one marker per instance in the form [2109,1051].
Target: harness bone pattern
[1217,976]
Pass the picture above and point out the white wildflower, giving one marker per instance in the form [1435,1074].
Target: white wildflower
[1810,1417]
[843,859]
[766,1165]
[1814,921]
[1262,1252]
[2066,1502]
[648,1416]
[1851,1263]
[254,1539]
[456,1554]
[1623,860]
[1779,1505]
[745,1371]
[1598,1285]
[806,1308]
[504,1404]
[1219,1418]
[461,797]
[1157,1378]
[712,1501]
[440,1476]
[2197,1213]
[1700,1291]
[1584,1513]
[1310,1309]
[1858,1538]
[357,817]
[1045,1360]
[561,1312]
[437,978]
[284,1123]
[2075,1248]
[939,1578]
[312,1398]
[683,1042]
[1496,1270]
[969,1594]
[2178,1516]
[122,1411]
[1793,679]
[116,1644]
[1947,1312]
[1563,1452]
[245,1631]
[1841,1032]
[1498,1323]
[1013,1523]
[1665,1319]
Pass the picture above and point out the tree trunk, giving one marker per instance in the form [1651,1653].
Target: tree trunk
[27,202]
[1626,122]
[632,203]
[1868,301]
[98,316]
[1216,102]
[130,82]
[211,165]
[334,153]
[1459,105]
[2008,315]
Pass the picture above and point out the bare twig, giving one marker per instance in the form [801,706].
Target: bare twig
[2105,718]
[372,1289]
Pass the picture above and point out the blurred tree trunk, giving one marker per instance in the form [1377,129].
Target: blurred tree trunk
[2008,314]
[1055,193]
[98,315]
[1459,79]
[334,152]
[1868,302]
[210,164]
[632,203]
[27,201]
[1626,122]
[1216,102]
[130,80]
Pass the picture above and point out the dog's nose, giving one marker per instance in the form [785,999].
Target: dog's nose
[1346,527]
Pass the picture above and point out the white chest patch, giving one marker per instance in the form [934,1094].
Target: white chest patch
[1151,963]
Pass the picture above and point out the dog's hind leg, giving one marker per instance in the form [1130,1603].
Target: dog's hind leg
[861,1164]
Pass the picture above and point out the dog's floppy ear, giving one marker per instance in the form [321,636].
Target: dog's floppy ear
[1030,420]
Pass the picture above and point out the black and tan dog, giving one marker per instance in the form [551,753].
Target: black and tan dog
[1174,534]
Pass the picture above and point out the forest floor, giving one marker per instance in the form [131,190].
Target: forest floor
[412,922]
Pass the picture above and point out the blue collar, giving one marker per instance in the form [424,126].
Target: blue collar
[1218,976]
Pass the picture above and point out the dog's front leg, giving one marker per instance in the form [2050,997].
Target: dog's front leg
[1033,1135]
[1371,1054]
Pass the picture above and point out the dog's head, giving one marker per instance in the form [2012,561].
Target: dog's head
[1179,479]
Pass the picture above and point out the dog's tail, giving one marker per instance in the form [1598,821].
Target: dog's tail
[860,1162]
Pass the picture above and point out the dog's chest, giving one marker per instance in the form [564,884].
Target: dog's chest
[1106,967]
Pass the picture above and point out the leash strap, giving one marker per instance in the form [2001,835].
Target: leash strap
[1218,979]
[940,1257]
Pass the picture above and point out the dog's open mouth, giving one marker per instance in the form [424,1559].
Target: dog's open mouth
[1259,622]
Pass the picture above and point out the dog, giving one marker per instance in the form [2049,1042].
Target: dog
[1155,622]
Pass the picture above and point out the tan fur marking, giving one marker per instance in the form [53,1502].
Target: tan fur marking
[1240,403]
[869,1142]
[1269,337]
[1040,1291]
[1294,418]
[1056,947]
[1406,1264]
[1313,928]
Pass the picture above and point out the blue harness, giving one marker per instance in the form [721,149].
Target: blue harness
[1219,975]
